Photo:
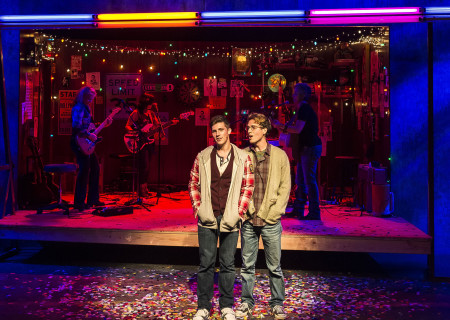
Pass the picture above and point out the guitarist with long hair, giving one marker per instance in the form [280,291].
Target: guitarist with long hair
[88,167]
[142,119]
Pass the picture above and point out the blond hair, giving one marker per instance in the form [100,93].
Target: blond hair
[261,119]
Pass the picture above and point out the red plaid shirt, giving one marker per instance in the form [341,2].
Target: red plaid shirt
[247,186]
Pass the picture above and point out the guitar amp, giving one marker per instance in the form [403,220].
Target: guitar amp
[110,211]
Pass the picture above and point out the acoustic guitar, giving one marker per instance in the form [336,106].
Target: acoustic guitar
[136,140]
[39,190]
[86,145]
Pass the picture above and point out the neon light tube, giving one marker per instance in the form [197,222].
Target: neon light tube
[364,20]
[252,14]
[252,22]
[59,17]
[364,11]
[438,10]
[147,24]
[148,16]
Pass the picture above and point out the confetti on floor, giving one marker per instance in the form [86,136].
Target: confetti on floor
[168,292]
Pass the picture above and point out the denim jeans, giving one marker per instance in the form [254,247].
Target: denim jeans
[207,240]
[271,237]
[88,173]
[306,180]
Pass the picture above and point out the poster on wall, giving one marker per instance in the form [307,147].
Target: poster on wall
[66,98]
[237,88]
[164,116]
[222,86]
[93,80]
[210,87]
[75,67]
[241,62]
[120,87]
[202,116]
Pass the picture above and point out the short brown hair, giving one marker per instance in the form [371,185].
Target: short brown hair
[261,119]
[219,118]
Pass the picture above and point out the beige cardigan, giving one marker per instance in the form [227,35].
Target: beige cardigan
[278,187]
[231,218]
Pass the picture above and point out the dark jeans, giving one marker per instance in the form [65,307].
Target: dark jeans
[306,180]
[144,162]
[207,240]
[88,172]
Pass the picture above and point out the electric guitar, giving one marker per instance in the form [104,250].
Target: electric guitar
[86,145]
[135,140]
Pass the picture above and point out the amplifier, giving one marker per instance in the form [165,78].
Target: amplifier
[113,211]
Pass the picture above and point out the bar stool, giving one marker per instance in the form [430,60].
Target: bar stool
[58,169]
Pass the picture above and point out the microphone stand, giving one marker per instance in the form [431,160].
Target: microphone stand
[136,164]
[161,133]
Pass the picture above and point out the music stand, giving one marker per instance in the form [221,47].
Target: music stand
[137,144]
[158,187]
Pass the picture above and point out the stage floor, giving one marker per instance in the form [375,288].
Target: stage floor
[171,223]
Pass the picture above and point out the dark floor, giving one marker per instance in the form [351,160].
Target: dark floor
[92,281]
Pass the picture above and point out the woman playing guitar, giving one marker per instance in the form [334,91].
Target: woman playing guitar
[88,167]
[140,121]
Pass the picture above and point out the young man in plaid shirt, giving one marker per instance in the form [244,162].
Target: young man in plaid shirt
[221,185]
[270,198]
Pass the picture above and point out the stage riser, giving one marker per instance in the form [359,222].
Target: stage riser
[189,239]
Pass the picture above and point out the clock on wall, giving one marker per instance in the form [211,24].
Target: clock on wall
[275,81]
[189,93]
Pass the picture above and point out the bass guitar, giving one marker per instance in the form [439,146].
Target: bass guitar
[86,145]
[136,140]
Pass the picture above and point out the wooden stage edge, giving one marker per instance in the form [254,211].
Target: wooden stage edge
[171,223]
[189,239]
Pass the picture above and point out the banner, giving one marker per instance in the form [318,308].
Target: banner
[66,98]
[122,87]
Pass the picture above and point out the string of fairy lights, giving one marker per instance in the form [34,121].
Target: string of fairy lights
[377,37]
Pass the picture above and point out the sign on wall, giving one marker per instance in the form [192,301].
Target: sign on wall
[93,80]
[237,88]
[210,87]
[122,87]
[66,98]
[202,116]
[75,67]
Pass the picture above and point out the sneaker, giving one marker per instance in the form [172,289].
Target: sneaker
[202,314]
[244,310]
[278,312]
[228,314]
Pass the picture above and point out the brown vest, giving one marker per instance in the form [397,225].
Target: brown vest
[220,184]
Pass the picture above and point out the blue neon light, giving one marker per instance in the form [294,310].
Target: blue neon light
[438,10]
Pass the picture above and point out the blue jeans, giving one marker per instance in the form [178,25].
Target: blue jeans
[306,180]
[207,240]
[271,237]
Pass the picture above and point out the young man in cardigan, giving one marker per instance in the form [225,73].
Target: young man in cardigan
[270,198]
[220,187]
